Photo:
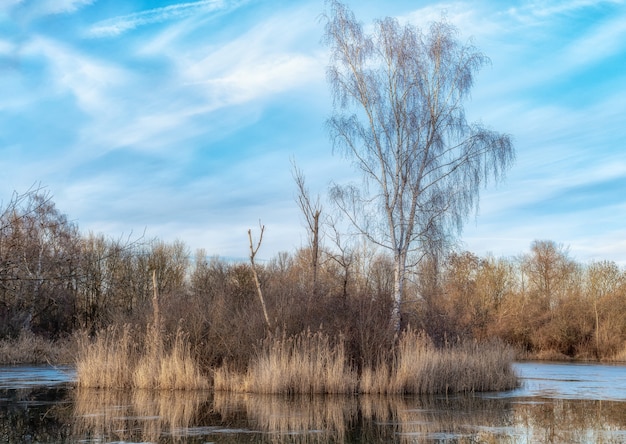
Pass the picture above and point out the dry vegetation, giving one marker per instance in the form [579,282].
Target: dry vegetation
[116,360]
[330,318]
[28,348]
[305,363]
[311,363]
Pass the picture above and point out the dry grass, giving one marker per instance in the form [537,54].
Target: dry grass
[115,360]
[620,356]
[421,368]
[174,370]
[108,360]
[305,363]
[31,349]
[310,363]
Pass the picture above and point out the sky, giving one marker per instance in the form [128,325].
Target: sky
[181,120]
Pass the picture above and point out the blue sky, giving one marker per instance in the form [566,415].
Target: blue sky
[182,118]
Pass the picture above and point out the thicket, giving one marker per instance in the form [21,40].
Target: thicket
[56,281]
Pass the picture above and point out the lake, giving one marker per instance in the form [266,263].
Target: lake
[556,403]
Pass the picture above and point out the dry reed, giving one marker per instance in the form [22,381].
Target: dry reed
[311,363]
[113,360]
[107,361]
[421,368]
[305,363]
[173,370]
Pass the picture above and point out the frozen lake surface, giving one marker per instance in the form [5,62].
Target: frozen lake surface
[15,377]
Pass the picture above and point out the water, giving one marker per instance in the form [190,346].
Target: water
[557,403]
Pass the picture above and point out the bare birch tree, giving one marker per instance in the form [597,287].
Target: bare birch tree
[398,114]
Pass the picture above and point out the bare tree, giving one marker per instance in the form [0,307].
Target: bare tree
[257,283]
[312,210]
[398,113]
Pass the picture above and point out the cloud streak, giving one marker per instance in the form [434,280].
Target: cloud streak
[116,26]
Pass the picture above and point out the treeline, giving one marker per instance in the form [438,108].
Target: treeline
[55,281]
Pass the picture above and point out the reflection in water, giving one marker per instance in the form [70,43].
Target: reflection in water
[581,421]
[35,415]
[462,419]
[298,418]
[62,414]
[144,415]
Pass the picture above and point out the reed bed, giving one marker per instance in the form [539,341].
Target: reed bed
[116,360]
[305,363]
[421,368]
[311,363]
[108,360]
[174,370]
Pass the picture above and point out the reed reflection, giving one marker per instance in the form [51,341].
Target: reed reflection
[462,419]
[367,418]
[144,415]
[172,416]
[575,421]
[298,418]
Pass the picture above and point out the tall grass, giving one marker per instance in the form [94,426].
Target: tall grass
[311,363]
[305,363]
[108,360]
[421,368]
[172,370]
[116,360]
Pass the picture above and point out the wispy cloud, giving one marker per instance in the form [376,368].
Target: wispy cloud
[187,127]
[532,11]
[602,41]
[46,7]
[30,9]
[257,63]
[88,79]
[118,25]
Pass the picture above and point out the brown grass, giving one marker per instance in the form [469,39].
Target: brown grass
[108,360]
[116,360]
[310,363]
[305,363]
[421,368]
[31,349]
[174,370]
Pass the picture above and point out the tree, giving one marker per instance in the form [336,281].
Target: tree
[549,270]
[312,210]
[39,258]
[398,113]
